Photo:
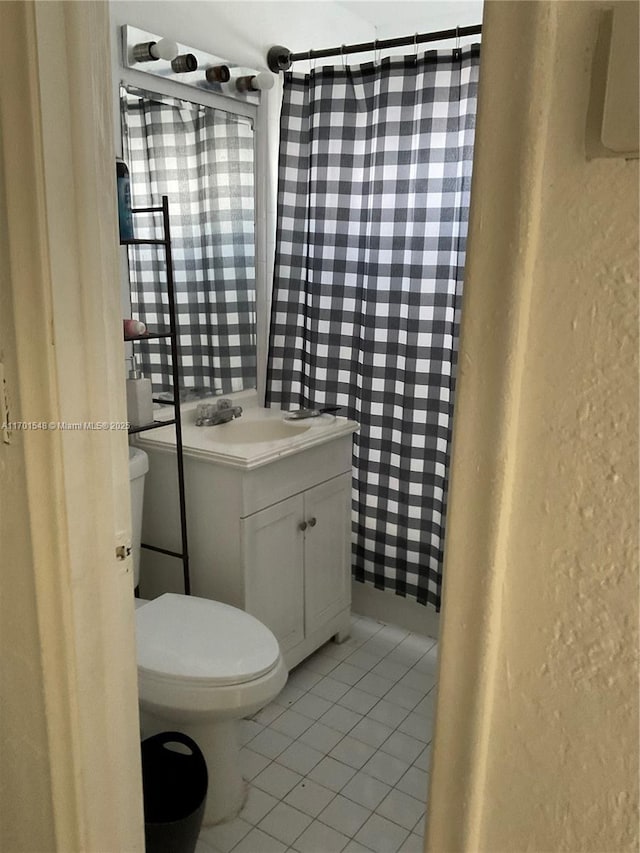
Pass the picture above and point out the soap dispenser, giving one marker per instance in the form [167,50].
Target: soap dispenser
[139,398]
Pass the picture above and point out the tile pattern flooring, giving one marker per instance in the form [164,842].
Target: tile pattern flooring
[339,762]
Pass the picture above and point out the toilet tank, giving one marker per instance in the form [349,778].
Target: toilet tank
[138,467]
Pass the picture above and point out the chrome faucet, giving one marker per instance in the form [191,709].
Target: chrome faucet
[220,412]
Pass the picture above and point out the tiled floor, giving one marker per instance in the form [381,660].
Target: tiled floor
[339,761]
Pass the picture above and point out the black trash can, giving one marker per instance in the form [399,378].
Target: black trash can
[174,784]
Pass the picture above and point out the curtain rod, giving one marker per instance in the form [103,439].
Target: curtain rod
[280,58]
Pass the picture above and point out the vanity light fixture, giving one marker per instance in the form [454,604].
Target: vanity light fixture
[190,66]
[218,74]
[149,51]
[184,63]
[255,82]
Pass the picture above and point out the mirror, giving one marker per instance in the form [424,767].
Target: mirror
[202,158]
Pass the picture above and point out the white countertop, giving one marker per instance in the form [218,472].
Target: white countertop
[218,444]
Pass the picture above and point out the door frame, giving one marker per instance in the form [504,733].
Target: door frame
[67,366]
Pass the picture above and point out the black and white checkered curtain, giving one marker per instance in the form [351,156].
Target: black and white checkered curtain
[202,159]
[373,200]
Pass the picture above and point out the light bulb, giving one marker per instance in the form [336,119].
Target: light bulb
[164,49]
[255,82]
[263,81]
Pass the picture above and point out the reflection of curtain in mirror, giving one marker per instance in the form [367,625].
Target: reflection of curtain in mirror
[202,159]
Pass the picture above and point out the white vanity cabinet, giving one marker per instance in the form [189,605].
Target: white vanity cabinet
[274,539]
[296,557]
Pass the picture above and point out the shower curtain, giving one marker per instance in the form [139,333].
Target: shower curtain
[373,201]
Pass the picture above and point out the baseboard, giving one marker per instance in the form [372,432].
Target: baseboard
[385,606]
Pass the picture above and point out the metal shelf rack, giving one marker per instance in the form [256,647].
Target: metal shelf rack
[172,334]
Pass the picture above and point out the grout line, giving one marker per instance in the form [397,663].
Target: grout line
[306,692]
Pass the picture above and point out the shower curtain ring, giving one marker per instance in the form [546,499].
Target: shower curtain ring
[376,52]
[344,67]
[458,38]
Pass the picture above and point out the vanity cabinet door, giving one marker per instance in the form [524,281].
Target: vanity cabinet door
[327,512]
[273,560]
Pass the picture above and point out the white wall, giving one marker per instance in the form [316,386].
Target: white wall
[404,17]
[243,31]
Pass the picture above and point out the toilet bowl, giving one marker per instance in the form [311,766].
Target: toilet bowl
[202,666]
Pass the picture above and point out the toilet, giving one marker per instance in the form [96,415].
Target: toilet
[202,666]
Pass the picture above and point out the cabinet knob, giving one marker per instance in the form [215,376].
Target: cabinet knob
[313,522]
[302,525]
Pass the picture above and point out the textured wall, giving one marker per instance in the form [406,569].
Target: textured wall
[537,727]
[568,668]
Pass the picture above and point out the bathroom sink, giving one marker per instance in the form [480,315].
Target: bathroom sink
[254,431]
[258,437]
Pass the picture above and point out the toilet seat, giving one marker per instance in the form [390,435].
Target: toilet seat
[196,641]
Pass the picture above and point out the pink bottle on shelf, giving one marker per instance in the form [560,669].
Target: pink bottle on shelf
[133,328]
